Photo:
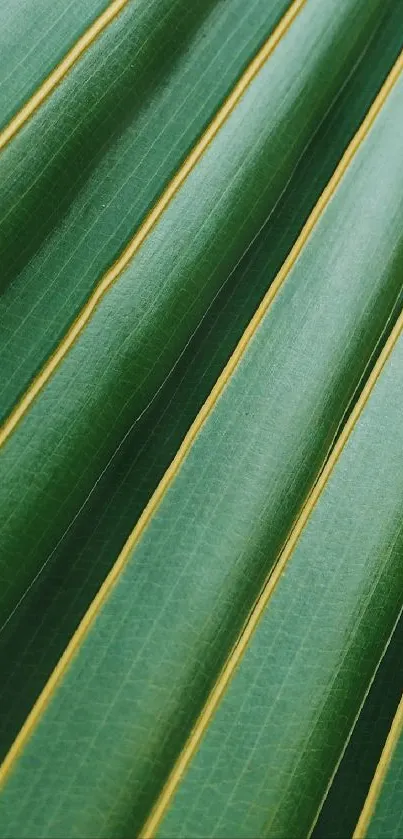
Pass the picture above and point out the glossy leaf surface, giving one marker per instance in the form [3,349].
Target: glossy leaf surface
[202,365]
[349,789]
[72,577]
[178,76]
[265,762]
[50,158]
[139,328]
[33,41]
[223,521]
[382,814]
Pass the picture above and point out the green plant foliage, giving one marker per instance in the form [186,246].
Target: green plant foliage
[201,233]
[382,812]
[350,787]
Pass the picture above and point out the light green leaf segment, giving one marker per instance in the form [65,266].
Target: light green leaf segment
[215,679]
[115,726]
[33,44]
[155,78]
[46,162]
[382,815]
[266,760]
[350,786]
[71,578]
[121,356]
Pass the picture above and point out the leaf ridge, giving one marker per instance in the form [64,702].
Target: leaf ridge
[60,71]
[131,249]
[385,760]
[262,602]
[155,500]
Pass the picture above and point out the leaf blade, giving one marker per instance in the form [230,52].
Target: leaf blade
[160,716]
[40,41]
[306,669]
[346,797]
[128,179]
[382,812]
[65,588]
[109,376]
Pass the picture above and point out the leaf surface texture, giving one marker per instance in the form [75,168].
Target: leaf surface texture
[201,234]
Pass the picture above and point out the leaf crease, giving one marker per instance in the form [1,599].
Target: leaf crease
[57,75]
[113,576]
[385,760]
[131,249]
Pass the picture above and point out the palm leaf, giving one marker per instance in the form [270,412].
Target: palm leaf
[201,404]
[99,380]
[142,143]
[382,812]
[73,575]
[268,760]
[350,787]
[39,48]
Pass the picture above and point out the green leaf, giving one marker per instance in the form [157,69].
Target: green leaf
[70,580]
[112,364]
[176,74]
[347,794]
[57,150]
[153,644]
[320,628]
[382,814]
[33,42]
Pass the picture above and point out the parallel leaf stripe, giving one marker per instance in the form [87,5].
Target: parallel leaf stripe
[114,272]
[58,74]
[251,624]
[385,760]
[356,718]
[157,497]
[239,648]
